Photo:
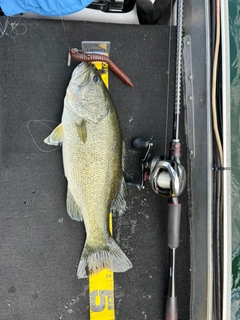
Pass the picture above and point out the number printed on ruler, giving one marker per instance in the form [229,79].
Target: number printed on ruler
[102,295]
[101,299]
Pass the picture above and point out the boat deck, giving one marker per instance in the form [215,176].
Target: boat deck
[40,245]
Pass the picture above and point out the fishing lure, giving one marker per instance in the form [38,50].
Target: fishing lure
[82,56]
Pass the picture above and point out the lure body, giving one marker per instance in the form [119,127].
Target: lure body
[81,56]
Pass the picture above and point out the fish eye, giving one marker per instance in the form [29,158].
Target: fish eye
[96,79]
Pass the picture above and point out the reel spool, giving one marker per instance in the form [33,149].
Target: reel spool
[167,177]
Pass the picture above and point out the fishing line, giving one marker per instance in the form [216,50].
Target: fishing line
[12,29]
[44,124]
[64,27]
[168,84]
[65,33]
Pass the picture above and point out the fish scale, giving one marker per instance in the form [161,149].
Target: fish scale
[92,189]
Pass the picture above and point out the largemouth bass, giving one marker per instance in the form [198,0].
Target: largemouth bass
[93,152]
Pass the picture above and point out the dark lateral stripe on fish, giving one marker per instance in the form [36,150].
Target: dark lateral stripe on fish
[81,56]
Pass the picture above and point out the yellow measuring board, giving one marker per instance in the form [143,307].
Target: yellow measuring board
[101,285]
[103,66]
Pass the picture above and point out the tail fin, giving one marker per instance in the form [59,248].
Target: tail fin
[110,256]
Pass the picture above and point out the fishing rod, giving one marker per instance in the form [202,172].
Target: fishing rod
[174,203]
[167,176]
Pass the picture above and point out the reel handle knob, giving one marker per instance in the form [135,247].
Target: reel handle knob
[139,143]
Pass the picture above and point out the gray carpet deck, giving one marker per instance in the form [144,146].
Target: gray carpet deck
[40,245]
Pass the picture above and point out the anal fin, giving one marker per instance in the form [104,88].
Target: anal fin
[119,204]
[73,209]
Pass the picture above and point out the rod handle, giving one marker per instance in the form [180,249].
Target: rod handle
[171,311]
[174,217]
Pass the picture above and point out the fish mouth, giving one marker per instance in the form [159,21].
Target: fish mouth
[81,74]
[81,69]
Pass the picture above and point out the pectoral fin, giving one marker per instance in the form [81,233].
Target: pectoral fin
[82,131]
[56,137]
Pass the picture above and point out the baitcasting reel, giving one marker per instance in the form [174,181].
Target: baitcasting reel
[166,176]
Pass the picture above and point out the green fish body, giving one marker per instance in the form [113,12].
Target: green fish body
[93,152]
